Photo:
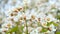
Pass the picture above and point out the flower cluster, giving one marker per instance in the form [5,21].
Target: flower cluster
[30,17]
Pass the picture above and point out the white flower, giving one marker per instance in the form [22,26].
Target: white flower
[30,29]
[52,1]
[51,17]
[24,30]
[53,27]
[15,19]
[39,29]
[28,14]
[8,25]
[34,32]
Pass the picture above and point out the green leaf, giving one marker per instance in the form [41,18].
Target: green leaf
[44,30]
[20,30]
[22,27]
[13,29]
[6,32]
[49,23]
[58,32]
[58,17]
[55,24]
